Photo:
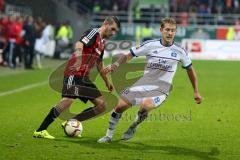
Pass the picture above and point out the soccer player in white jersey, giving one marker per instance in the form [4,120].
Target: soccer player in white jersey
[153,88]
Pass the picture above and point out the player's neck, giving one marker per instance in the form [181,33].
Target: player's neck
[165,43]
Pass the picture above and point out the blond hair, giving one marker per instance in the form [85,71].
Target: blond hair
[168,20]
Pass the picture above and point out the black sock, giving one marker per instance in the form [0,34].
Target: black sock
[116,115]
[54,113]
[87,110]
[142,115]
[87,114]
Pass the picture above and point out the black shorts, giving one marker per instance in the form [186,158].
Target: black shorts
[80,87]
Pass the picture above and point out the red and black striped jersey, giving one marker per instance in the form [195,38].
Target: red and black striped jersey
[93,50]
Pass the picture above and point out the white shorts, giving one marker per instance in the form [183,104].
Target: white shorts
[136,97]
[157,101]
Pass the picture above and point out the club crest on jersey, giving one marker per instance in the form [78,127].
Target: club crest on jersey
[173,54]
[96,49]
[85,40]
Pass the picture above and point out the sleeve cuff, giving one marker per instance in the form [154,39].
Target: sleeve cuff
[133,54]
[186,67]
[84,43]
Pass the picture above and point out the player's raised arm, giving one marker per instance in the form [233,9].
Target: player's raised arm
[135,51]
[193,78]
[122,59]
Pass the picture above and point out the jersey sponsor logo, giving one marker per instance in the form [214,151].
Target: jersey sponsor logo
[161,66]
[163,61]
[85,40]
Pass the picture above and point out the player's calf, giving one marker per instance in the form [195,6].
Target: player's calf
[114,119]
[101,107]
[141,116]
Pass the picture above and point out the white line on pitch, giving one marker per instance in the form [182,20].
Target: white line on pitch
[23,88]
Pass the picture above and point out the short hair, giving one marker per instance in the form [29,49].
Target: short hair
[168,20]
[112,19]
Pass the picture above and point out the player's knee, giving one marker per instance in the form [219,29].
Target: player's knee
[65,103]
[121,109]
[122,106]
[147,103]
[68,101]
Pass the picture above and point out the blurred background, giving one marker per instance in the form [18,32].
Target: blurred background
[33,29]
[37,36]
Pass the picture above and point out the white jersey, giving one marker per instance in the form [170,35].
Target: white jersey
[160,69]
[162,61]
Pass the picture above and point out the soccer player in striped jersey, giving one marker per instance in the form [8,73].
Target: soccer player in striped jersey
[89,52]
[151,90]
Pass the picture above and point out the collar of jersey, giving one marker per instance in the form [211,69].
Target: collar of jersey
[166,45]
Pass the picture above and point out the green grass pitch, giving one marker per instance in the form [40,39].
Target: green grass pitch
[178,130]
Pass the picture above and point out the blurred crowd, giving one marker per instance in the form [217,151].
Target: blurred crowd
[25,38]
[205,6]
[198,6]
[106,5]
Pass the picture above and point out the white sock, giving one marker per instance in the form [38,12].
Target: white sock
[109,133]
[113,121]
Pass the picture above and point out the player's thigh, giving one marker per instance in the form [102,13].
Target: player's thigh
[99,101]
[150,103]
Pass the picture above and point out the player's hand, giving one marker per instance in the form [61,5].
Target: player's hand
[109,86]
[197,97]
[110,68]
